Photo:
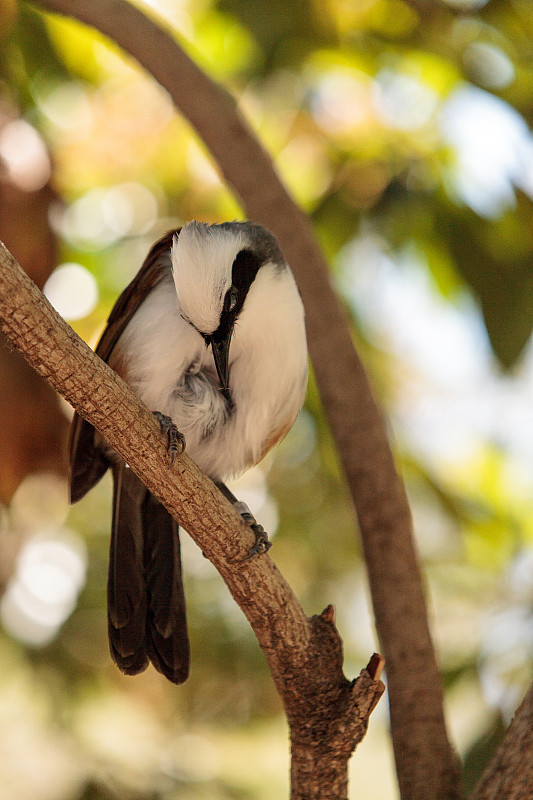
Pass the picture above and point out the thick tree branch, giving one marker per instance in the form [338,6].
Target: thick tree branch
[425,761]
[509,775]
[304,655]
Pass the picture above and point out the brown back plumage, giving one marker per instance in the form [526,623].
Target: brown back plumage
[146,603]
[87,461]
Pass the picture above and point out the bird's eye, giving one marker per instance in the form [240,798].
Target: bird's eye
[230,300]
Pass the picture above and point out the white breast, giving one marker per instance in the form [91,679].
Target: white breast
[166,362]
[268,360]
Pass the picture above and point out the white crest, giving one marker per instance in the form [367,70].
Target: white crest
[202,258]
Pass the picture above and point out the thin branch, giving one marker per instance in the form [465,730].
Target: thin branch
[425,761]
[304,655]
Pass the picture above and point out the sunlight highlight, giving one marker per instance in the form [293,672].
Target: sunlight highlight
[42,594]
[72,290]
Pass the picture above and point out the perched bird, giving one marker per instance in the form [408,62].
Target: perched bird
[210,334]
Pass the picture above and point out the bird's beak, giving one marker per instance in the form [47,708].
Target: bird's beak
[220,348]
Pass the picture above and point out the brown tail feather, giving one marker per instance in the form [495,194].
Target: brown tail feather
[167,641]
[146,603]
[126,591]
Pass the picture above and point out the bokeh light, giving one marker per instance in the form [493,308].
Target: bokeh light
[404,101]
[42,594]
[492,146]
[72,290]
[24,155]
[488,65]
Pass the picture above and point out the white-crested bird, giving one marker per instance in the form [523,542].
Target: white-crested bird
[210,334]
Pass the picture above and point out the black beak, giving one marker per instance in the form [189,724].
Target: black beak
[220,347]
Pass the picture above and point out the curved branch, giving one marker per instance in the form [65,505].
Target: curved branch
[425,761]
[304,655]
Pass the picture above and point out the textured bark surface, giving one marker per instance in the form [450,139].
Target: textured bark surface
[426,764]
[509,775]
[327,713]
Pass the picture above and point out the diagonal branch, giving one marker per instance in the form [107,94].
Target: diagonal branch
[509,775]
[426,764]
[304,655]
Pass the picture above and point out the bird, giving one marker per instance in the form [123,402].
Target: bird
[210,334]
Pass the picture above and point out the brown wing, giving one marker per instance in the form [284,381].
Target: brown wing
[87,460]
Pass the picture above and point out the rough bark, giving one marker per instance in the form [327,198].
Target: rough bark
[328,714]
[426,764]
[509,776]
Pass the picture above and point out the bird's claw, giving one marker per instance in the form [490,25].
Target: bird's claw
[175,439]
[262,543]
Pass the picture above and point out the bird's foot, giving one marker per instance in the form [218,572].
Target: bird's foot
[175,439]
[262,543]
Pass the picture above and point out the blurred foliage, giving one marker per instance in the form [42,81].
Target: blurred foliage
[404,130]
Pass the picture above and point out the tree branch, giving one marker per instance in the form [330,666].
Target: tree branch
[509,775]
[425,761]
[304,655]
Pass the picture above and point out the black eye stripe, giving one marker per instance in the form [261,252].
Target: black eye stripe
[244,270]
[231,298]
[245,267]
